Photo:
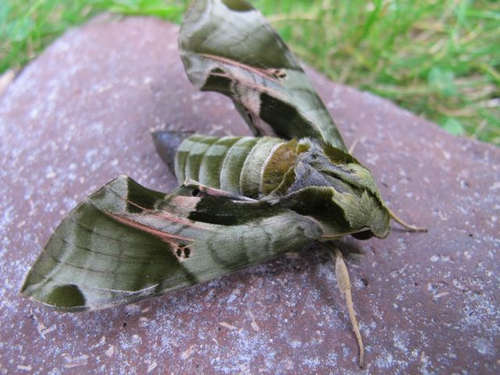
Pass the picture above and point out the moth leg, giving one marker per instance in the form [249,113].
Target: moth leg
[344,284]
[409,227]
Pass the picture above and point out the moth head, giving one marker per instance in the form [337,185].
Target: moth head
[330,185]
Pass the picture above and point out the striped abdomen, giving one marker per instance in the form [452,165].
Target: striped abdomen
[243,165]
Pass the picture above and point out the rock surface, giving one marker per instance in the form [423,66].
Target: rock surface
[81,114]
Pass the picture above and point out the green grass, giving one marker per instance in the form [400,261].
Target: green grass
[439,59]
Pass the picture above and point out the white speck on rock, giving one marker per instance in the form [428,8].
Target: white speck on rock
[495,186]
[401,341]
[24,367]
[227,325]
[7,217]
[187,353]
[386,361]
[426,365]
[253,324]
[110,351]
[50,173]
[312,362]
[295,344]
[233,296]
[151,367]
[136,339]
[75,361]
[440,295]
[484,346]
[101,342]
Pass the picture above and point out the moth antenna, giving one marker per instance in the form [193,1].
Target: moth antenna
[411,228]
[344,284]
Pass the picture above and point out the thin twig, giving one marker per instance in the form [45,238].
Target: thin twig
[344,283]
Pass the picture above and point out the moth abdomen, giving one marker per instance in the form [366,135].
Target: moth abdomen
[242,165]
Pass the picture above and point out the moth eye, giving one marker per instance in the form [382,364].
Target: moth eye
[195,192]
[187,252]
[179,252]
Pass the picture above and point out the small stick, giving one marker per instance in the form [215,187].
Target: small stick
[344,284]
[411,228]
[354,144]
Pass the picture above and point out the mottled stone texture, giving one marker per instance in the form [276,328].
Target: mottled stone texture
[81,114]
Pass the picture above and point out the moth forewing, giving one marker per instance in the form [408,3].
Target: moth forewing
[255,68]
[126,242]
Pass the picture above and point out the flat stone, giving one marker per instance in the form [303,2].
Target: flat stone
[81,114]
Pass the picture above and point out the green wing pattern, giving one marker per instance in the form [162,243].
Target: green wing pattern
[126,242]
[228,46]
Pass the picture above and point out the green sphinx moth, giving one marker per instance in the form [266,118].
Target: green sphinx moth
[241,200]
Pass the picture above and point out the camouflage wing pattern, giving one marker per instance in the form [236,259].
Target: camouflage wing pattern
[228,46]
[126,242]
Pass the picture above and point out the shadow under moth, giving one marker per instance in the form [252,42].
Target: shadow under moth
[241,200]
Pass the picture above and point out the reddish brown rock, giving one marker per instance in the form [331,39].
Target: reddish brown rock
[81,114]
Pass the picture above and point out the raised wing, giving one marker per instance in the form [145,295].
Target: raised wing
[126,242]
[228,46]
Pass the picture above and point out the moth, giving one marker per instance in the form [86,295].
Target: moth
[241,200]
